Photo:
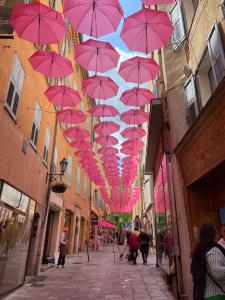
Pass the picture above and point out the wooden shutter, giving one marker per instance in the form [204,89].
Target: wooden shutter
[178,24]
[192,102]
[36,124]
[216,53]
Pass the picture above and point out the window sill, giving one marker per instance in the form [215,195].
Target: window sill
[33,146]
[9,111]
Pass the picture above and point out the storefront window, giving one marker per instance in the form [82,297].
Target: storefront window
[15,229]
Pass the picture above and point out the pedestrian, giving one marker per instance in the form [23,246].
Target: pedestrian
[62,247]
[145,244]
[208,266]
[134,244]
[222,240]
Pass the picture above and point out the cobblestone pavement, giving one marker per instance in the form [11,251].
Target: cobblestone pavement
[103,278]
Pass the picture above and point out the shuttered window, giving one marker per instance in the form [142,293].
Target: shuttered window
[47,144]
[178,23]
[16,81]
[63,47]
[36,124]
[192,102]
[216,52]
[85,187]
[78,181]
[55,161]
[69,169]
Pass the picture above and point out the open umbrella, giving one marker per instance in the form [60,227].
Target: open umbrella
[100,87]
[93,17]
[103,111]
[106,127]
[133,143]
[38,23]
[138,69]
[108,151]
[137,97]
[130,152]
[106,140]
[84,153]
[71,116]
[133,133]
[51,64]
[134,116]
[62,96]
[77,133]
[155,2]
[81,144]
[146,30]
[96,56]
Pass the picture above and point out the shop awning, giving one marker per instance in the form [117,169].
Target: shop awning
[155,126]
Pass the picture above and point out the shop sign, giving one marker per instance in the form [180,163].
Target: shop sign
[6,7]
[14,198]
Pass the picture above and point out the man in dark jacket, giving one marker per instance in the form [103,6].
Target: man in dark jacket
[145,244]
[134,244]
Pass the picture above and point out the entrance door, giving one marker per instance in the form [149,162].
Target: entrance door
[48,236]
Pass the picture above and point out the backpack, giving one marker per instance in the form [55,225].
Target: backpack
[199,271]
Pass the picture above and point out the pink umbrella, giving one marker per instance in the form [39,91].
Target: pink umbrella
[146,30]
[133,143]
[103,111]
[100,87]
[130,160]
[106,127]
[108,151]
[96,56]
[77,133]
[62,96]
[137,97]
[106,140]
[134,116]
[81,144]
[38,23]
[133,133]
[155,2]
[139,69]
[94,17]
[71,116]
[84,153]
[51,64]
[130,152]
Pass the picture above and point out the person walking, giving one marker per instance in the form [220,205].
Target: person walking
[145,244]
[208,266]
[134,244]
[62,247]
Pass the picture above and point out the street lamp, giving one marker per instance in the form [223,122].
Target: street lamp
[63,165]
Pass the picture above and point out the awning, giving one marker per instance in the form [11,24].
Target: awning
[155,126]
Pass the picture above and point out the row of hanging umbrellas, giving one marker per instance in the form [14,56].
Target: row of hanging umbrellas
[40,24]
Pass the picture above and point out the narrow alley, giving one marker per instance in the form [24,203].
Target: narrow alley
[100,279]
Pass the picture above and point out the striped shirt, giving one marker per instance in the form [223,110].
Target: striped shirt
[216,267]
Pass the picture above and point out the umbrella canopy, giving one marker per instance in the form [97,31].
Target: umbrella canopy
[100,87]
[155,2]
[108,151]
[133,143]
[63,96]
[84,153]
[137,97]
[138,69]
[106,127]
[104,111]
[96,56]
[133,133]
[71,116]
[51,64]
[38,23]
[134,116]
[130,152]
[77,133]
[81,144]
[106,140]
[93,17]
[146,30]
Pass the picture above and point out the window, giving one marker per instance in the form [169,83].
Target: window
[55,161]
[192,103]
[223,7]
[75,85]
[85,186]
[78,181]
[216,53]
[82,106]
[52,4]
[47,144]
[178,24]
[36,124]
[69,169]
[63,47]
[16,81]
[67,81]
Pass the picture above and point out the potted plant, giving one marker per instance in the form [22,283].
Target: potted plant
[59,187]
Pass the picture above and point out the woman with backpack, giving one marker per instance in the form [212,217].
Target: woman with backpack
[208,266]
